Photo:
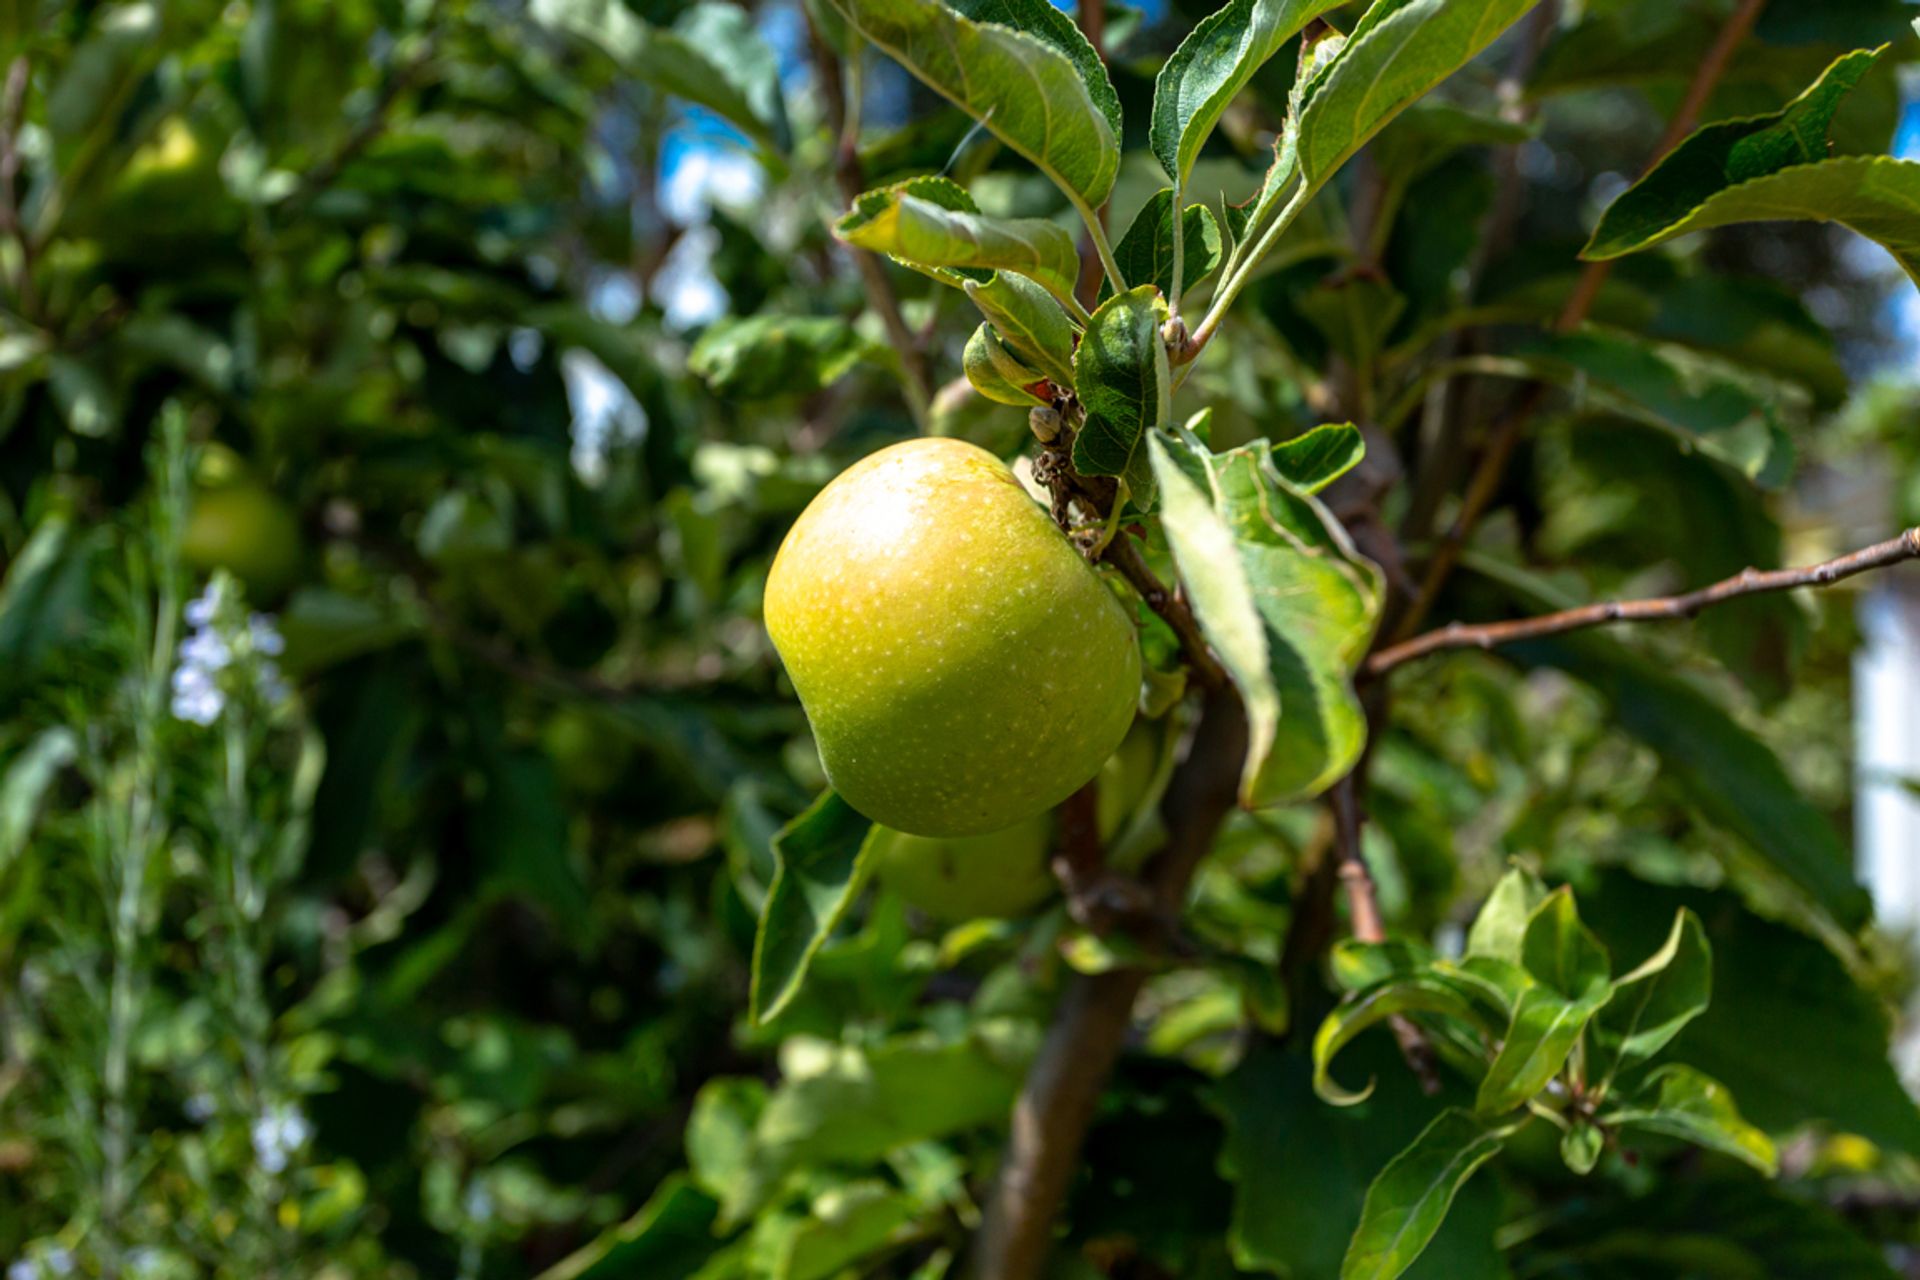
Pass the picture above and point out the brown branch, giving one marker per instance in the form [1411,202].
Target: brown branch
[1123,555]
[1748,582]
[1090,1023]
[873,275]
[1363,905]
[1505,438]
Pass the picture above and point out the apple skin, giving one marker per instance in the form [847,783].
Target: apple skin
[963,668]
[1004,873]
[956,878]
[244,528]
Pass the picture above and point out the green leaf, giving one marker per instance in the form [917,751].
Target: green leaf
[712,56]
[1395,54]
[1301,1169]
[1291,611]
[1315,459]
[1582,1146]
[1655,1002]
[672,1235]
[29,773]
[1145,252]
[1546,1026]
[1723,409]
[822,859]
[1560,951]
[853,1104]
[1044,22]
[1211,66]
[1728,1225]
[1732,777]
[1772,167]
[905,223]
[1028,321]
[1409,1200]
[1412,993]
[1789,1030]
[997,373]
[1020,87]
[1499,930]
[765,356]
[841,1226]
[1121,372]
[1684,1103]
[720,1131]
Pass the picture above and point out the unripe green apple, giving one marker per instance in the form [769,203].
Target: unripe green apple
[963,667]
[244,528]
[1006,873]
[955,878]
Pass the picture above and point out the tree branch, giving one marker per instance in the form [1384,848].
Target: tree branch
[1485,484]
[1123,555]
[370,126]
[1363,906]
[1748,582]
[873,275]
[1090,1023]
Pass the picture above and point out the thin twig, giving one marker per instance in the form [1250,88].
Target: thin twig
[1485,484]
[1748,582]
[873,275]
[1090,1023]
[1123,555]
[370,127]
[1363,905]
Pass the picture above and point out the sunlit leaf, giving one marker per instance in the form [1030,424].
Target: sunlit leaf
[1021,87]
[907,223]
[1687,1104]
[1655,1002]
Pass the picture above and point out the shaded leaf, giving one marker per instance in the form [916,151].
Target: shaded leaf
[712,55]
[1788,1031]
[1301,1169]
[28,775]
[1028,321]
[821,863]
[1412,993]
[672,1234]
[1121,372]
[1732,777]
[1145,252]
[1768,168]
[1408,1201]
[1312,461]
[1655,1002]
[997,373]
[1560,951]
[764,356]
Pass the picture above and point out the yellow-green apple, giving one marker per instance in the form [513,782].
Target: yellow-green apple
[963,668]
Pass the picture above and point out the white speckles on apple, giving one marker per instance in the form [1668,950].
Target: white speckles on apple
[964,671]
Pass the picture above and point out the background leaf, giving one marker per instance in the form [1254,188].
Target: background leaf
[821,861]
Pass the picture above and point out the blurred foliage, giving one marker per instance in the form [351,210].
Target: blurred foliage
[388,333]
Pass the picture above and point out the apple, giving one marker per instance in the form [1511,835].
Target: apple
[963,667]
[241,526]
[955,878]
